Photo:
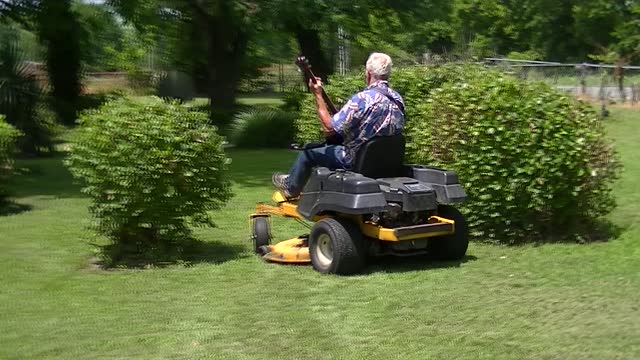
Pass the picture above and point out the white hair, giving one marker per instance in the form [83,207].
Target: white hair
[379,65]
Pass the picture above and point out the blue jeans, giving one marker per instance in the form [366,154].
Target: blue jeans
[329,156]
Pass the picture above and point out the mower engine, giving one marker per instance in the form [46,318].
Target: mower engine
[409,201]
[394,216]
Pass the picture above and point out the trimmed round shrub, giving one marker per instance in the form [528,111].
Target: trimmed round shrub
[263,128]
[8,137]
[151,168]
[534,162]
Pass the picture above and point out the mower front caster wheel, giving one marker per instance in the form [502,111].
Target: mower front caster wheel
[261,235]
[454,246]
[336,247]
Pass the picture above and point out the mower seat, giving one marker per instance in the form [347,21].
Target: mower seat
[381,157]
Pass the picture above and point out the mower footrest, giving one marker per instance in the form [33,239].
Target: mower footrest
[405,231]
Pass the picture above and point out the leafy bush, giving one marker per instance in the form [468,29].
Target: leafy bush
[534,162]
[292,101]
[256,86]
[262,128]
[8,137]
[148,167]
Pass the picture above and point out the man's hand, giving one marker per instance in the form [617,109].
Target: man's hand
[316,88]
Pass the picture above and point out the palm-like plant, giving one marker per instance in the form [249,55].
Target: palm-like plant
[21,100]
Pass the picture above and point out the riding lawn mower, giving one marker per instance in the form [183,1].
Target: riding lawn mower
[379,207]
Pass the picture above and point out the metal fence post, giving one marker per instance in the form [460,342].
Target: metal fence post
[583,78]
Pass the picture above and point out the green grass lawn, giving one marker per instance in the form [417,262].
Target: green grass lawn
[248,100]
[561,301]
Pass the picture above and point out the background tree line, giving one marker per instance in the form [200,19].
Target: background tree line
[220,43]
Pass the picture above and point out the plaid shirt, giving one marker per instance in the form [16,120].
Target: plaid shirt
[367,114]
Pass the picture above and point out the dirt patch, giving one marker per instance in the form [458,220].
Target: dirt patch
[94,264]
[628,105]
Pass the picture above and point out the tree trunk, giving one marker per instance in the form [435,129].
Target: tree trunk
[62,39]
[226,48]
[311,47]
[619,74]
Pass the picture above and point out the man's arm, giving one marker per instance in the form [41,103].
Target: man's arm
[323,114]
[322,109]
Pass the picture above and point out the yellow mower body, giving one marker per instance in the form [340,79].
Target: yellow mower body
[296,250]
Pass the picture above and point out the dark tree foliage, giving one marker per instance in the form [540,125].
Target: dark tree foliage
[217,32]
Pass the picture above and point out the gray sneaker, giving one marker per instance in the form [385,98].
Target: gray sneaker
[279,180]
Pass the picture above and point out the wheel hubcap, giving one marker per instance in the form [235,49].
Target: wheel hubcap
[325,250]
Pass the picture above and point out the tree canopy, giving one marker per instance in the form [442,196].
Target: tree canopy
[219,43]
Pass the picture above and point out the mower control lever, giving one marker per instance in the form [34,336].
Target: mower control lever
[307,146]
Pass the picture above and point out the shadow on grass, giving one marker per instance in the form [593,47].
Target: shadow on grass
[11,208]
[598,231]
[198,251]
[601,231]
[43,177]
[187,253]
[397,264]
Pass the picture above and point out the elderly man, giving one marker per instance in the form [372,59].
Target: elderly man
[377,110]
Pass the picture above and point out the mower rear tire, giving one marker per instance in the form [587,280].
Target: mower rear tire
[336,247]
[261,235]
[453,246]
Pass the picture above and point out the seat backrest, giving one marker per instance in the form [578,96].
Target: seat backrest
[380,157]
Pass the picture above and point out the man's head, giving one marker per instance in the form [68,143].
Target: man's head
[378,67]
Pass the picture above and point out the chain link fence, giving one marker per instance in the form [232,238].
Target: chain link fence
[278,78]
[603,83]
[594,82]
[599,82]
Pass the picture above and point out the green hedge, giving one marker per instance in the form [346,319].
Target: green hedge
[8,138]
[263,127]
[148,166]
[535,162]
